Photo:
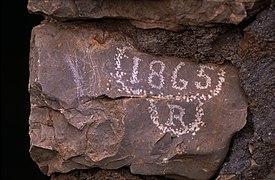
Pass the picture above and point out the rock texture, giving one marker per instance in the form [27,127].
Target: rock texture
[97,174]
[252,155]
[99,102]
[170,14]
[93,52]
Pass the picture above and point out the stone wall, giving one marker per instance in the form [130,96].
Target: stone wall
[153,89]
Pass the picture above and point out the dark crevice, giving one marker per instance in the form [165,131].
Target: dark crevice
[251,19]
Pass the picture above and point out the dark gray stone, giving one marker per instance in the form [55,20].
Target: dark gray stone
[252,155]
[99,102]
[169,14]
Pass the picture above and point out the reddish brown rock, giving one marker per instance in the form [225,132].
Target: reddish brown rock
[99,102]
[171,14]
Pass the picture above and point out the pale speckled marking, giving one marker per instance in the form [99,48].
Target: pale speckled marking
[168,126]
[207,78]
[77,77]
[134,79]
[119,74]
[156,74]
[175,76]
[192,127]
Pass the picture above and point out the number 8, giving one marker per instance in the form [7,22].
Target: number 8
[154,73]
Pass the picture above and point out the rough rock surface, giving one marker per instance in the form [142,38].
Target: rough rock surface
[98,174]
[166,14]
[99,102]
[252,154]
[249,46]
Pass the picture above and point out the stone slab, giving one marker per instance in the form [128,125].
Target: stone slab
[99,102]
[170,14]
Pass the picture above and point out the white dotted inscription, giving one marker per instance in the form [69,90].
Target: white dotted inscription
[169,125]
[206,77]
[173,116]
[119,74]
[156,74]
[174,77]
[134,79]
[176,122]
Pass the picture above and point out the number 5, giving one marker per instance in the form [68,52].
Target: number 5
[206,77]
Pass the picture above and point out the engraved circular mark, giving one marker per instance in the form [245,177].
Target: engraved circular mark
[169,126]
